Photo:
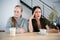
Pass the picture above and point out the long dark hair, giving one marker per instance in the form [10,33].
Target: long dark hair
[34,8]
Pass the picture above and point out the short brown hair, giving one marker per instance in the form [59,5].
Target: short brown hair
[19,7]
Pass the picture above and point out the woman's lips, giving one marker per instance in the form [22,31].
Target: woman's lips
[38,16]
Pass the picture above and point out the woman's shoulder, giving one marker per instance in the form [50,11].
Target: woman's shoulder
[24,19]
[42,19]
[33,19]
[9,19]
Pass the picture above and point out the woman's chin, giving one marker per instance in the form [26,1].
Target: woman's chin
[38,17]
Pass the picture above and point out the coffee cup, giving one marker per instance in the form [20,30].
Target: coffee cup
[12,31]
[43,31]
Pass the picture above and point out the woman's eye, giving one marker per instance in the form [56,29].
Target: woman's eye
[17,11]
[36,12]
[39,11]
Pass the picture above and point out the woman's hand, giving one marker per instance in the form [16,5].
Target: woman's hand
[21,30]
[52,31]
[32,16]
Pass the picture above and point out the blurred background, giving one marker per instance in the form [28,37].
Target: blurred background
[49,7]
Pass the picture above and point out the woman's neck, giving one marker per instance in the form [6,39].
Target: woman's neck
[18,17]
[37,19]
[38,22]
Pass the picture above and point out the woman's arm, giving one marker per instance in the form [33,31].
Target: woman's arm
[30,23]
[52,31]
[30,26]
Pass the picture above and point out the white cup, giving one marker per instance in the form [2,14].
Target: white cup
[12,31]
[43,31]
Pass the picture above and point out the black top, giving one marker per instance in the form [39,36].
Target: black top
[43,22]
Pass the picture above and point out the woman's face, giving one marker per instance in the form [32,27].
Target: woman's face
[17,12]
[37,13]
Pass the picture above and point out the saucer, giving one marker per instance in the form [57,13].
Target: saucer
[42,33]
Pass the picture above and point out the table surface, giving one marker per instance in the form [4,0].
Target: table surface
[30,36]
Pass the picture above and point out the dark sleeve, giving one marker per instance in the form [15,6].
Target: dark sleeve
[35,27]
[43,23]
[47,22]
[53,26]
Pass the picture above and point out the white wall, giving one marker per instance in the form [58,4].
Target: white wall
[26,12]
[6,11]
